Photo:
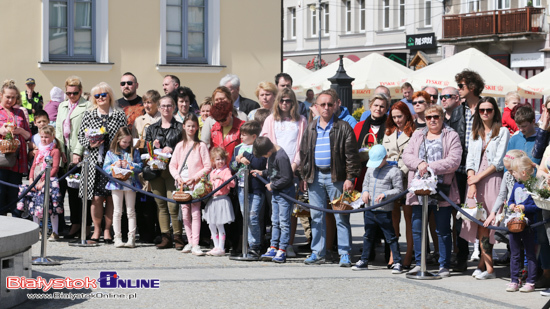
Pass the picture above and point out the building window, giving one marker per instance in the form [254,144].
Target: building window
[401,13]
[348,16]
[326,19]
[503,4]
[292,12]
[473,6]
[428,13]
[362,14]
[71,30]
[314,23]
[537,3]
[386,10]
[186,22]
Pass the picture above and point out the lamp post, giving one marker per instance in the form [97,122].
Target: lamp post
[318,9]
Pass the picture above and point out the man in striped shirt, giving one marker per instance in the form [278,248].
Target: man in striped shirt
[329,166]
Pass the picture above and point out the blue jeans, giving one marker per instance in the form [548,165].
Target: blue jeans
[442,228]
[382,219]
[281,210]
[321,190]
[255,204]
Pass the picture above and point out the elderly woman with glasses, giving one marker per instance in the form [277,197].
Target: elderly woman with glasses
[484,166]
[165,134]
[437,147]
[105,115]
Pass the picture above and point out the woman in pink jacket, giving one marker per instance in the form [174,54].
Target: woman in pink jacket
[438,147]
[190,161]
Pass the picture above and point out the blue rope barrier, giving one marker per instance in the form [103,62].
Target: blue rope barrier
[162,197]
[293,200]
[491,227]
[69,172]
[31,186]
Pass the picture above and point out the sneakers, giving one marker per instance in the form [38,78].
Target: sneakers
[290,252]
[269,255]
[118,242]
[485,275]
[280,257]
[217,252]
[344,261]
[475,255]
[360,265]
[53,237]
[254,253]
[477,272]
[197,251]
[545,292]
[527,288]
[187,248]
[397,269]
[313,259]
[512,287]
[414,270]
[444,273]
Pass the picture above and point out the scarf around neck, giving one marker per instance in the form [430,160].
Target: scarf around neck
[372,122]
[43,152]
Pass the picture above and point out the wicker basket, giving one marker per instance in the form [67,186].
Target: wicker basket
[181,196]
[540,202]
[340,204]
[9,146]
[141,142]
[122,176]
[364,156]
[516,225]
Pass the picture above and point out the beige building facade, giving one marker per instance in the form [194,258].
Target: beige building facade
[200,41]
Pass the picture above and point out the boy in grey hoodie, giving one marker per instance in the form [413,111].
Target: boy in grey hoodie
[382,182]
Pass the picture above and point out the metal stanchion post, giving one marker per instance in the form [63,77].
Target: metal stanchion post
[423,274]
[43,260]
[84,183]
[246,215]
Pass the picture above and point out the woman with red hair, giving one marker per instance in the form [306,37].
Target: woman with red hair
[226,131]
[399,128]
[421,102]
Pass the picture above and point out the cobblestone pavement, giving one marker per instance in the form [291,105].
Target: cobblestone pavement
[188,281]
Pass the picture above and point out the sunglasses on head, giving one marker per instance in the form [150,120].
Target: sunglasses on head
[129,83]
[434,117]
[418,102]
[486,110]
[445,96]
[103,95]
[72,93]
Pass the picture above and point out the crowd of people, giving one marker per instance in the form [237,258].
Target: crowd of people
[308,149]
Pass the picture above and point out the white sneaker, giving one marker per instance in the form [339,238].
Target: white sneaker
[187,248]
[475,256]
[290,252]
[545,292]
[414,270]
[197,250]
[118,242]
[477,272]
[485,275]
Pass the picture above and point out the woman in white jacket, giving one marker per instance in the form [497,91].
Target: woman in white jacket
[486,149]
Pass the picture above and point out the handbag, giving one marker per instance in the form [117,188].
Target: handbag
[150,174]
[8,159]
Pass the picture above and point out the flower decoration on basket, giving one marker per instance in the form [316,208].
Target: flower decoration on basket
[347,201]
[95,135]
[539,190]
[122,174]
[424,185]
[202,188]
[9,144]
[73,181]
[156,159]
[474,209]
[516,222]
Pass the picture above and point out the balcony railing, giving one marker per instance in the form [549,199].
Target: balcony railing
[526,19]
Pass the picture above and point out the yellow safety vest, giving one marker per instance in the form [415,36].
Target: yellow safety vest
[28,105]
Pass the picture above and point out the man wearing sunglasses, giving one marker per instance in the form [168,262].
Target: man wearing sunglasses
[449,100]
[433,92]
[470,85]
[130,103]
[329,165]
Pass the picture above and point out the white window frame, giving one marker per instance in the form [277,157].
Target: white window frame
[213,42]
[428,13]
[292,17]
[499,3]
[101,37]
[473,6]
[314,20]
[348,13]
[362,15]
[386,14]
[402,13]
[326,18]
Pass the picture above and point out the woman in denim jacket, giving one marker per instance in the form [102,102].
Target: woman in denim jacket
[484,166]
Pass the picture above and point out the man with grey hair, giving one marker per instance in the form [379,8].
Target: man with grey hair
[433,92]
[449,100]
[378,90]
[233,83]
